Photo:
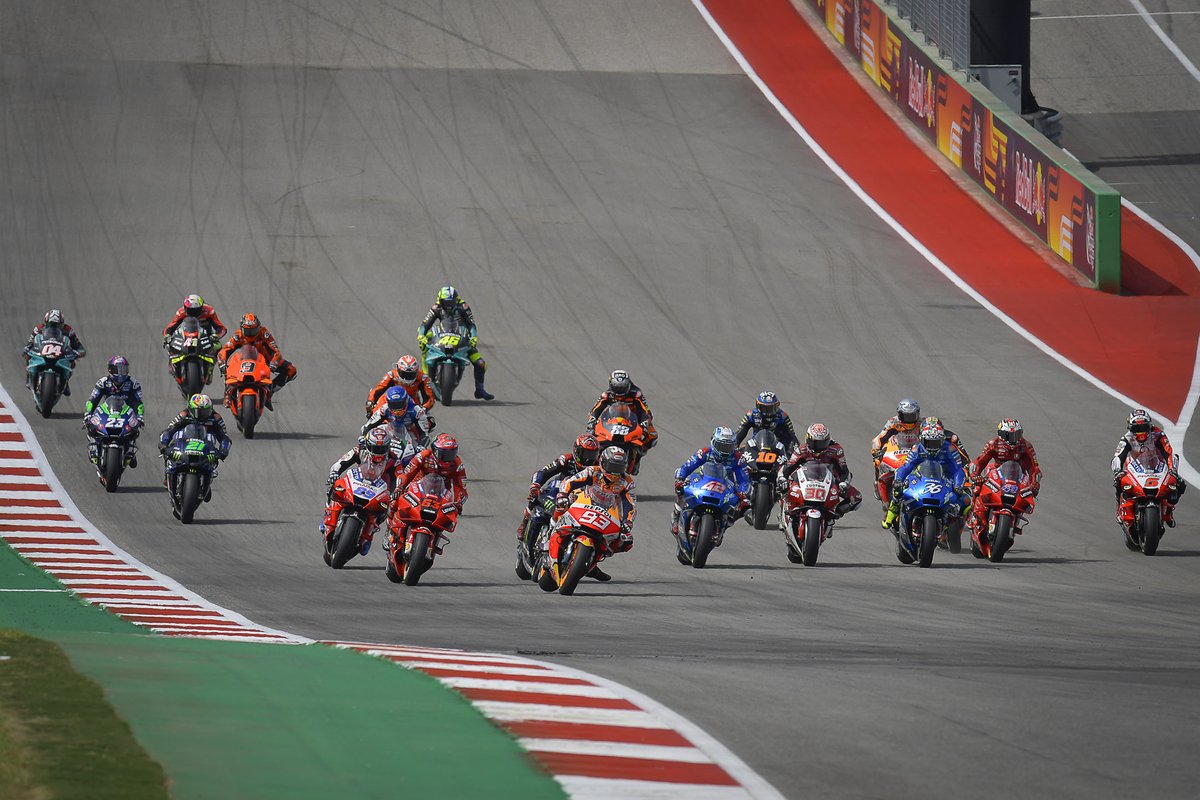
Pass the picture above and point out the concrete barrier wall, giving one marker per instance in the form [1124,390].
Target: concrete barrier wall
[1075,213]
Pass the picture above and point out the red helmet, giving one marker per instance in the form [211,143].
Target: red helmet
[407,368]
[445,448]
[250,326]
[586,450]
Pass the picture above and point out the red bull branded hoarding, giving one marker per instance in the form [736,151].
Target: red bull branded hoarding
[1075,213]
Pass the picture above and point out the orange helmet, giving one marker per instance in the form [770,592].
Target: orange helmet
[250,326]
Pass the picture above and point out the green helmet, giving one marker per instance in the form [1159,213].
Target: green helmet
[199,406]
[447,297]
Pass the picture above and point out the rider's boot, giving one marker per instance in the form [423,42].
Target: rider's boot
[131,456]
[675,520]
[1169,516]
[480,392]
[67,389]
[889,519]
[599,574]
[93,451]
[522,526]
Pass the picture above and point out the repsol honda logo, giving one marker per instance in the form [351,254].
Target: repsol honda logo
[920,90]
[1031,192]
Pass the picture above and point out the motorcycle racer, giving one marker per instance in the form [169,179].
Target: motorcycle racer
[930,447]
[194,306]
[400,414]
[55,318]
[623,390]
[450,304]
[1009,444]
[905,425]
[582,454]
[767,415]
[373,450]
[199,410]
[609,474]
[117,383]
[251,332]
[721,450]
[1143,435]
[408,375]
[440,458]
[820,447]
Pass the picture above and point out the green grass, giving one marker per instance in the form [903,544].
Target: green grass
[59,737]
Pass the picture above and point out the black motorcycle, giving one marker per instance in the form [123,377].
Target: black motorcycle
[539,518]
[192,350]
[763,455]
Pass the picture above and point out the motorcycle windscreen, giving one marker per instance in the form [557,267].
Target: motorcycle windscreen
[931,470]
[248,361]
[617,411]
[190,326]
[53,333]
[1150,461]
[1011,472]
[434,485]
[815,471]
[115,407]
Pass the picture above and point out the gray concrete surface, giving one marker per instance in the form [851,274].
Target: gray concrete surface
[664,221]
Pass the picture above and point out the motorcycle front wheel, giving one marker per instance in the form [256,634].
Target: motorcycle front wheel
[114,465]
[47,393]
[581,562]
[416,560]
[706,528]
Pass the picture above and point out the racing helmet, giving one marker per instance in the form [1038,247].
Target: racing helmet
[447,298]
[1139,424]
[378,441]
[1010,430]
[586,450]
[407,369]
[619,383]
[54,317]
[200,407]
[724,443]
[193,305]
[250,325]
[445,449]
[933,436]
[767,404]
[908,411]
[118,371]
[398,400]
[817,437]
[613,462]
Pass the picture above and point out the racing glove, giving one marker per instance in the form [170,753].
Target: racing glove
[535,489]
[474,340]
[423,340]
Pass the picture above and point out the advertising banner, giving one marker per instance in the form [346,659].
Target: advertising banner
[1078,223]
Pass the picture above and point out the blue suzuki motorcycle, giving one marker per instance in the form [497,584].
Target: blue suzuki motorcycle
[191,457]
[113,426]
[446,357]
[51,362]
[928,505]
[709,497]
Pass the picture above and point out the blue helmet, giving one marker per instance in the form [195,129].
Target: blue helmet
[398,400]
[724,443]
[767,404]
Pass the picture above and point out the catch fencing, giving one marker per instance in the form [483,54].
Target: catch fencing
[945,24]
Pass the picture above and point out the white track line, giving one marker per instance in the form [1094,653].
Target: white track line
[1176,429]
[1157,30]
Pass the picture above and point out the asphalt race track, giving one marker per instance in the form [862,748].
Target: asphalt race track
[607,190]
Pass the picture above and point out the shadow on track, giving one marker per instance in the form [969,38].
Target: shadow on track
[233,521]
[743,566]
[1177,554]
[123,489]
[292,436]
[492,403]
[1054,560]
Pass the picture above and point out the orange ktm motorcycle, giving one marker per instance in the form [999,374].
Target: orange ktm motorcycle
[248,378]
[420,521]
[618,425]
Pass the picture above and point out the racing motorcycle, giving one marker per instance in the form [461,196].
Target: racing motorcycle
[895,453]
[191,454]
[428,513]
[358,503]
[618,425]
[1147,485]
[113,425]
[928,503]
[763,455]
[589,530]
[51,362]
[191,350]
[709,498]
[248,374]
[539,517]
[1008,496]
[809,510]
[446,356]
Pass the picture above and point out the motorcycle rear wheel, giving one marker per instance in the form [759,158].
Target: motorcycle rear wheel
[581,562]
[415,561]
[706,528]
[523,572]
[193,378]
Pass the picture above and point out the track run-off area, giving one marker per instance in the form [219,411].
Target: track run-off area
[607,188]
